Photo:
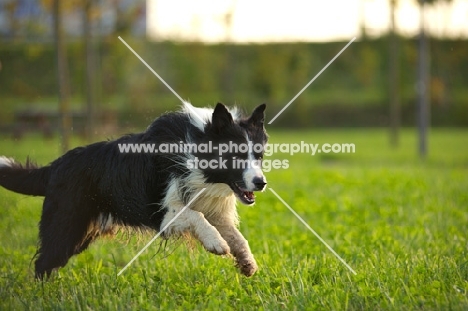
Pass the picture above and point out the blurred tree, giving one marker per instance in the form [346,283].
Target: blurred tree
[394,90]
[65,6]
[62,75]
[362,20]
[423,73]
[126,14]
[89,77]
[227,81]
[10,8]
[423,80]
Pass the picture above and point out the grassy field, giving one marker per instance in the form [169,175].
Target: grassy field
[400,222]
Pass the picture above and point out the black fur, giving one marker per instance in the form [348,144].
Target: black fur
[88,184]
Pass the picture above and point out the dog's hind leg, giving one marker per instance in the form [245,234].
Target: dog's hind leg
[63,232]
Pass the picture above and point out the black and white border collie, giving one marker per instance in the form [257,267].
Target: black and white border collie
[92,190]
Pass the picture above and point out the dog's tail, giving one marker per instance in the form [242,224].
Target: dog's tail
[26,179]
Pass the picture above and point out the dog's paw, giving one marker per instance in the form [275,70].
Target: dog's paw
[217,246]
[247,266]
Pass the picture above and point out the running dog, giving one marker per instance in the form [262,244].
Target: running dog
[91,190]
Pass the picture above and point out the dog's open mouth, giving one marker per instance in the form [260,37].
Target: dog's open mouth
[246,197]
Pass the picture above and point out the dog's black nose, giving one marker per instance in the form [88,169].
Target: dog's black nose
[259,183]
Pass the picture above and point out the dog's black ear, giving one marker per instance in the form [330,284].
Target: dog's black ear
[258,115]
[221,117]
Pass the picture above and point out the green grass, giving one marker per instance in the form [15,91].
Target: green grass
[400,222]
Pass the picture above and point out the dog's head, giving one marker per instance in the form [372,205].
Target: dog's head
[238,148]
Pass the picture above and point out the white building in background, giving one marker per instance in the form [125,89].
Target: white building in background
[234,20]
[296,20]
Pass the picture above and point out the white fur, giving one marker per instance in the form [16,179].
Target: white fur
[6,162]
[212,219]
[235,113]
[200,116]
[252,170]
[104,224]
[105,221]
[217,202]
[192,220]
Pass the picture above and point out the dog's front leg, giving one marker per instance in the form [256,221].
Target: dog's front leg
[198,226]
[239,248]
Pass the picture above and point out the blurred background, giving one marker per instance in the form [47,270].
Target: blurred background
[64,70]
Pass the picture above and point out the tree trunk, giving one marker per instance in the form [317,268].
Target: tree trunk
[62,75]
[423,101]
[394,95]
[89,58]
